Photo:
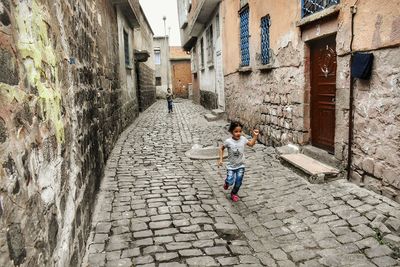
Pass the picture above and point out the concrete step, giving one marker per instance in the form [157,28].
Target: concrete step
[218,112]
[317,171]
[210,117]
[320,155]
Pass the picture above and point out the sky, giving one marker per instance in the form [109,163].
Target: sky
[155,10]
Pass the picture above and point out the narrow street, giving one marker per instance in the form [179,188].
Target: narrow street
[156,207]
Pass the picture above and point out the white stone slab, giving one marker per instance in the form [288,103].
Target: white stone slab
[309,165]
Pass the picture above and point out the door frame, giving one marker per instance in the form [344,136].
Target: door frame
[309,106]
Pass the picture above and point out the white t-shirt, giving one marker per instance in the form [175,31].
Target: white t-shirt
[235,152]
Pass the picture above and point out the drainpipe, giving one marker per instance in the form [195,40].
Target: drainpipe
[353,10]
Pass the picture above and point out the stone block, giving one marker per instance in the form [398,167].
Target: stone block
[16,244]
[356,178]
[390,192]
[368,165]
[391,177]
[8,63]
[372,184]
[201,261]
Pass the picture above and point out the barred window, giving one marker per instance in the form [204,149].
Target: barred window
[265,46]
[244,37]
[309,7]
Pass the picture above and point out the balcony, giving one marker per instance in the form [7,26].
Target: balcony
[202,11]
[130,9]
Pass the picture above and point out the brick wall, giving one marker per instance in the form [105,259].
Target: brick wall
[61,110]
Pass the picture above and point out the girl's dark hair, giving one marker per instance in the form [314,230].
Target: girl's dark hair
[233,125]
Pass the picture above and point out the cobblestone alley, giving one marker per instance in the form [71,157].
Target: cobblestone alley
[157,207]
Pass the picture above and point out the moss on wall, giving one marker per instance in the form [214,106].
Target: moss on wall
[35,47]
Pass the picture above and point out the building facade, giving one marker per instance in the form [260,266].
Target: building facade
[291,78]
[144,63]
[162,65]
[67,89]
[201,33]
[180,72]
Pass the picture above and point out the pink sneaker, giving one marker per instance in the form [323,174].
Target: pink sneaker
[226,186]
[235,198]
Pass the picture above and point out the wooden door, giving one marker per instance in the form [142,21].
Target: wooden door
[323,93]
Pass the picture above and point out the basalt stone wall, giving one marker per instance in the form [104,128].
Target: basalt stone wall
[208,99]
[61,111]
[376,141]
[271,99]
[147,88]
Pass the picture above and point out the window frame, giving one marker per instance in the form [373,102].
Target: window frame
[127,56]
[210,44]
[157,59]
[244,37]
[265,39]
[158,79]
[202,53]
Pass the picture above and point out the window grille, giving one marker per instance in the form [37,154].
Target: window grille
[126,48]
[265,23]
[309,7]
[244,37]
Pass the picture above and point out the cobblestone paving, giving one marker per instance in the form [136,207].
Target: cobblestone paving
[158,208]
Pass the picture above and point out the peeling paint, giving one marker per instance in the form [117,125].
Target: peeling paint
[40,60]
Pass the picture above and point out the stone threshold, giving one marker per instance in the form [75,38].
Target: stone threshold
[316,171]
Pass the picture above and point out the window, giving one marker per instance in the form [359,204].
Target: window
[194,59]
[244,37]
[202,53]
[265,23]
[309,7]
[126,48]
[158,81]
[157,56]
[217,29]
[210,50]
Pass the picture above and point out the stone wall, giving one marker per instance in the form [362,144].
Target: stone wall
[376,142]
[147,89]
[271,99]
[61,111]
[208,99]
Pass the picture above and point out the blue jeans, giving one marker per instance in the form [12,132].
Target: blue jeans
[169,105]
[234,177]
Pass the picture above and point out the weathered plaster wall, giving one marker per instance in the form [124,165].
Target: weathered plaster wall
[163,69]
[271,99]
[276,98]
[61,109]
